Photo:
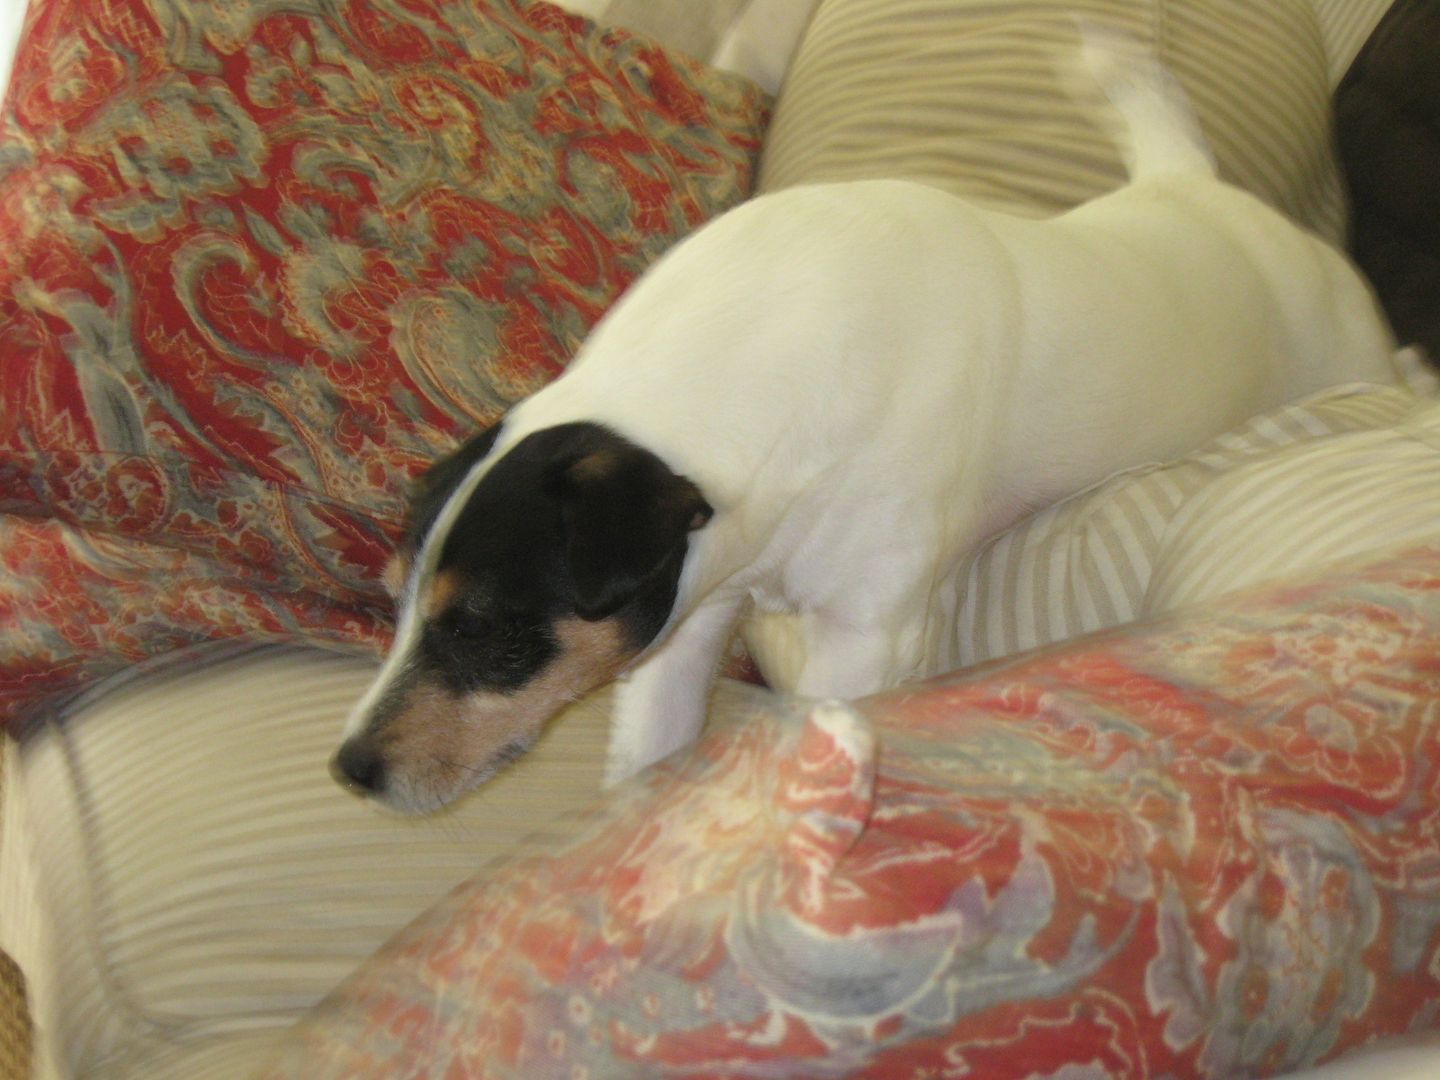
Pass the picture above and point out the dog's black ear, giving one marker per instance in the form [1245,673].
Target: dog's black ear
[432,488]
[626,518]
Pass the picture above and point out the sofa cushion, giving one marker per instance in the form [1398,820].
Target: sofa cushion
[263,263]
[1345,25]
[1299,507]
[969,95]
[180,877]
[1198,847]
[1346,472]
[755,38]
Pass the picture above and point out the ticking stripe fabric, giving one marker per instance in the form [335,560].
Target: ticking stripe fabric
[182,878]
[681,24]
[1303,506]
[754,38]
[970,96]
[1292,489]
[1344,26]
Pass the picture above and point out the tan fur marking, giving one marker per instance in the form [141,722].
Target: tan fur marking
[442,745]
[441,590]
[396,571]
[594,466]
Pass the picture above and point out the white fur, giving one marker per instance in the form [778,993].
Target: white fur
[868,379]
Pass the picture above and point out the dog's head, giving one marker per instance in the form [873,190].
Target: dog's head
[523,582]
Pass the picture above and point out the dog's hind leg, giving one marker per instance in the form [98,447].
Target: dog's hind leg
[660,703]
[847,659]
[778,644]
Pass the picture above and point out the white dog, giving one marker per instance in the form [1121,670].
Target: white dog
[806,414]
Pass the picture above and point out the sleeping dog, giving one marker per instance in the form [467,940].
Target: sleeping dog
[806,415]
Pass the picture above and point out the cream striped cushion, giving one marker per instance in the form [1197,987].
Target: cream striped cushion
[681,24]
[1303,507]
[967,95]
[1142,541]
[1344,27]
[180,892]
[754,38]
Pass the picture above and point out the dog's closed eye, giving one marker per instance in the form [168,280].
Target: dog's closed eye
[482,649]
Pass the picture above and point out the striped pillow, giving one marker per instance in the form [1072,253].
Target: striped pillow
[1345,25]
[198,864]
[1301,507]
[967,95]
[1150,539]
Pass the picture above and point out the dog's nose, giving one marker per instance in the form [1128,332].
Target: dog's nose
[358,767]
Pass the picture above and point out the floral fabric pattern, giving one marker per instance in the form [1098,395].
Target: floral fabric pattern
[262,262]
[1201,847]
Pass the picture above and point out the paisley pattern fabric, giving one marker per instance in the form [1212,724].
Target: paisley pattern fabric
[1201,847]
[261,261]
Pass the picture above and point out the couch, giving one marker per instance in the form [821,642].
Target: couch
[263,262]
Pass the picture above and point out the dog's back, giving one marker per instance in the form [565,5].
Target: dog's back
[1192,304]
[1331,310]
[1127,331]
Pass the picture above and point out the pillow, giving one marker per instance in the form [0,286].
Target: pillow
[77,604]
[755,38]
[1199,847]
[212,873]
[1302,507]
[1344,25]
[1093,561]
[262,264]
[694,29]
[967,95]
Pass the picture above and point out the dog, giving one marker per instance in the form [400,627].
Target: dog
[806,414]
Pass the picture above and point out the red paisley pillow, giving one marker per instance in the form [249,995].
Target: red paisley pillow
[259,264]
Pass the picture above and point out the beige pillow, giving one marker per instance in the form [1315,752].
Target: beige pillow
[1303,508]
[1290,490]
[177,890]
[754,38]
[968,95]
[1344,26]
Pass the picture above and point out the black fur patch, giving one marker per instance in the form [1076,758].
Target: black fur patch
[434,487]
[571,521]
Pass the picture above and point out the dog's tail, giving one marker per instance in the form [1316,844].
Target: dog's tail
[1151,118]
